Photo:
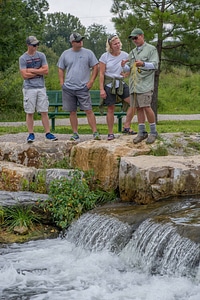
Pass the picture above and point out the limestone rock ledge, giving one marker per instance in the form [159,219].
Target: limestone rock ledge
[104,158]
[149,178]
[117,164]
[36,155]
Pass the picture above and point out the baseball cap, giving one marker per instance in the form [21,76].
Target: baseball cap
[32,40]
[76,37]
[136,32]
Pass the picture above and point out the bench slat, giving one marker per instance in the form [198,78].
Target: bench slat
[55,105]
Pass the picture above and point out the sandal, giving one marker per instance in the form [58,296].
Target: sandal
[128,131]
[111,137]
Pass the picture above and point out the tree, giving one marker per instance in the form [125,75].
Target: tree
[172,25]
[19,19]
[58,28]
[95,39]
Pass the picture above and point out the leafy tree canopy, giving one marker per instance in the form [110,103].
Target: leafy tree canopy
[18,20]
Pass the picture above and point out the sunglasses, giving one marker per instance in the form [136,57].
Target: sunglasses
[111,37]
[34,45]
[78,41]
[134,38]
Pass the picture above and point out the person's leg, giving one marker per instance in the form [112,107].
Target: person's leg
[110,118]
[30,122]
[29,103]
[151,119]
[69,100]
[91,120]
[142,134]
[45,121]
[74,121]
[85,104]
[131,110]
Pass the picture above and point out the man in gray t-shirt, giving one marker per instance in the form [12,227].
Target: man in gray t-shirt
[33,66]
[78,69]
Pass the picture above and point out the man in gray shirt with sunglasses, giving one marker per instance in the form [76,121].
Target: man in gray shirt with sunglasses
[78,69]
[33,66]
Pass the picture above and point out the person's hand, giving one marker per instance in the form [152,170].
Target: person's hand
[139,63]
[103,94]
[124,74]
[123,62]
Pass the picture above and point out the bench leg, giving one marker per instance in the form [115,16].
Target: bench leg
[119,123]
[53,124]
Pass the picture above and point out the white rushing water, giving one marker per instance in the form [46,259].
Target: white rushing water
[68,269]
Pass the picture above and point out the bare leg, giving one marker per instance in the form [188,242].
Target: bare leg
[45,121]
[91,120]
[130,113]
[74,121]
[110,118]
[29,122]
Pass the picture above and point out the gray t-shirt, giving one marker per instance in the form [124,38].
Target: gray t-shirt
[77,65]
[33,61]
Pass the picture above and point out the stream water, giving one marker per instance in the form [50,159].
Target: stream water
[102,258]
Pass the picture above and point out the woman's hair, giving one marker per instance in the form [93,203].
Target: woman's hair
[110,39]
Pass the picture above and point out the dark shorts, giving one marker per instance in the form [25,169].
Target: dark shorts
[111,98]
[72,99]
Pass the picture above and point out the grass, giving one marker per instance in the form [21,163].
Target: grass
[187,127]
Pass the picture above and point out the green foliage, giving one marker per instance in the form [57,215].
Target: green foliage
[58,28]
[18,20]
[161,150]
[1,215]
[71,197]
[20,215]
[179,91]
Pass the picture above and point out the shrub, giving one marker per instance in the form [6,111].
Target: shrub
[71,197]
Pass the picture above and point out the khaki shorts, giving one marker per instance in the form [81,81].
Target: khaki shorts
[35,100]
[141,100]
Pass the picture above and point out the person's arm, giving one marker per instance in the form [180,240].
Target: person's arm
[31,72]
[102,68]
[95,70]
[61,75]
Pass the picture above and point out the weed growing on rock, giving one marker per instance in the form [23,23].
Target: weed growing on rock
[71,197]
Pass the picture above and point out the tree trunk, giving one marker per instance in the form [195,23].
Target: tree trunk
[155,95]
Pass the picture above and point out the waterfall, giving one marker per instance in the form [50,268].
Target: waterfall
[96,232]
[158,248]
[153,247]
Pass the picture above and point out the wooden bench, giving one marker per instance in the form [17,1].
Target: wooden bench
[55,107]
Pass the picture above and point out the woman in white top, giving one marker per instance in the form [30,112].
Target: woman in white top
[112,85]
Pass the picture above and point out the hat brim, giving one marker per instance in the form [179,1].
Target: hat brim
[78,39]
[130,36]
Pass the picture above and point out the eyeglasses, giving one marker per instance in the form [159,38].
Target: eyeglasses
[34,45]
[134,38]
[78,41]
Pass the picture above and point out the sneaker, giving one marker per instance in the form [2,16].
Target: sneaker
[140,138]
[128,131]
[51,137]
[31,138]
[111,137]
[75,137]
[151,138]
[96,136]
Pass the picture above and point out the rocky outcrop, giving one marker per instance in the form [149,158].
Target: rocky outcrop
[149,178]
[119,164]
[103,157]
[38,155]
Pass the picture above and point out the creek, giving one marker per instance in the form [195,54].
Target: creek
[102,258]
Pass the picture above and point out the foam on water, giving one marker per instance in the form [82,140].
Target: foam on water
[61,269]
